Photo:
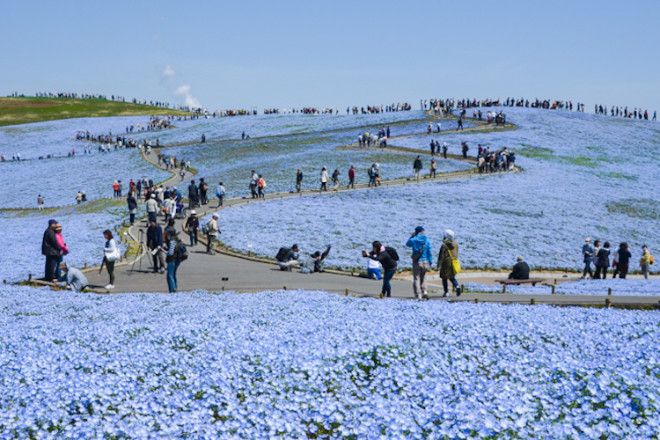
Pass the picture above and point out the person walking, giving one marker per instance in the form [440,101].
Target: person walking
[421,261]
[299,180]
[261,187]
[351,178]
[110,256]
[623,256]
[212,231]
[417,167]
[444,150]
[388,260]
[335,179]
[587,258]
[191,227]
[193,195]
[40,202]
[254,178]
[646,261]
[131,201]
[602,261]
[220,193]
[51,250]
[203,191]
[448,263]
[155,244]
[434,169]
[324,179]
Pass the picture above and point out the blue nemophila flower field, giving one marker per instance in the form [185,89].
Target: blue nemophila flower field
[627,287]
[309,364]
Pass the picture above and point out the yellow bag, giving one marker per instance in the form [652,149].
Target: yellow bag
[456,265]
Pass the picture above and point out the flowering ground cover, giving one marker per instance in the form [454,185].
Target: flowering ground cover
[583,176]
[58,180]
[21,241]
[309,364]
[627,287]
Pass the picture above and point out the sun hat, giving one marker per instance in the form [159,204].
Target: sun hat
[588,239]
[193,212]
[449,233]
[520,258]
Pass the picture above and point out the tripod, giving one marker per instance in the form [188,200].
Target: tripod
[140,253]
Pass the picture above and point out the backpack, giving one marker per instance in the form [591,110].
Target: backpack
[281,254]
[180,252]
[393,253]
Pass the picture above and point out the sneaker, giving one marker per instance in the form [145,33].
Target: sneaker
[425,296]
[109,286]
[445,295]
[458,292]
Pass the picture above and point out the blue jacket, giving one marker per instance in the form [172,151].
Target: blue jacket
[154,237]
[588,253]
[421,242]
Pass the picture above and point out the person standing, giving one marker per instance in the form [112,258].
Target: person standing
[220,194]
[444,150]
[175,255]
[351,177]
[191,226]
[254,178]
[434,169]
[110,256]
[587,258]
[64,249]
[602,261]
[51,250]
[193,195]
[380,253]
[335,179]
[131,201]
[203,191]
[646,261]
[448,263]
[421,261]
[212,231]
[40,202]
[623,256]
[324,179]
[417,167]
[152,208]
[155,244]
[299,180]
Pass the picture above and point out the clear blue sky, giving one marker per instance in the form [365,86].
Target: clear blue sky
[292,53]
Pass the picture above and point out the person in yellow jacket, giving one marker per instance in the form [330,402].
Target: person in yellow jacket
[646,261]
[448,263]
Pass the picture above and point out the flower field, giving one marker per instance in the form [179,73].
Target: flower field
[627,287]
[309,364]
[583,176]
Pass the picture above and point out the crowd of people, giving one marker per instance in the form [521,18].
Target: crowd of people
[623,112]
[599,253]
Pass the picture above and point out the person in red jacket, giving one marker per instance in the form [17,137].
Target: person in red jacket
[351,177]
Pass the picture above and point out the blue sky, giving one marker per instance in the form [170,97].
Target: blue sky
[335,53]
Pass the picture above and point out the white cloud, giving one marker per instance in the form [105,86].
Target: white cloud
[189,100]
[168,72]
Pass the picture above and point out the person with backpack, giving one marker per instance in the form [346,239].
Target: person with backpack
[176,253]
[212,230]
[111,255]
[299,180]
[448,264]
[602,261]
[191,227]
[287,258]
[646,261]
[388,259]
[421,261]
[220,193]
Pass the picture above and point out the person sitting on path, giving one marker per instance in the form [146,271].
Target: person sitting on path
[448,264]
[315,263]
[74,279]
[287,258]
[520,270]
[387,258]
[421,261]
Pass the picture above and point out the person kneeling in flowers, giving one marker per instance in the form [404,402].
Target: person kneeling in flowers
[75,279]
[448,263]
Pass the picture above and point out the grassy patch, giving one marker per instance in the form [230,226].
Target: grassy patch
[617,175]
[535,152]
[513,213]
[29,109]
[647,209]
[581,161]
[100,205]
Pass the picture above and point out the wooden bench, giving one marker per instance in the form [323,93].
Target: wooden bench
[508,282]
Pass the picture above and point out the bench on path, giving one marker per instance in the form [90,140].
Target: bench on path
[509,282]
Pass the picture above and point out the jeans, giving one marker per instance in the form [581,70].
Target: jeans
[387,287]
[172,267]
[419,277]
[152,216]
[210,243]
[587,269]
[445,285]
[375,273]
[645,271]
[601,272]
[158,260]
[51,264]
[131,217]
[193,237]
